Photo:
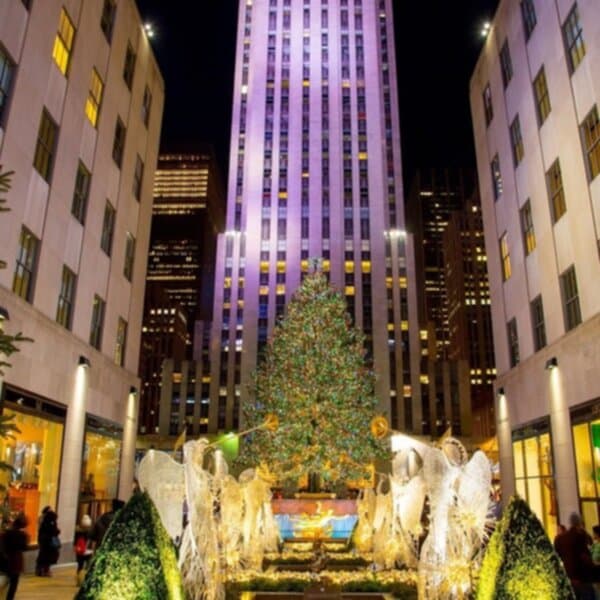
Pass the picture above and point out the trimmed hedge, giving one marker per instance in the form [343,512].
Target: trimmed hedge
[136,561]
[520,562]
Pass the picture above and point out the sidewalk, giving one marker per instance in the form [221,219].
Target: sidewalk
[61,586]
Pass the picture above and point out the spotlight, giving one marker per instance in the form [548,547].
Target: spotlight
[500,392]
[4,315]
[133,390]
[485,29]
[149,29]
[551,363]
[84,362]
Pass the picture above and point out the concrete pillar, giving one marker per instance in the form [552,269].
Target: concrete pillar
[130,423]
[504,433]
[70,472]
[562,448]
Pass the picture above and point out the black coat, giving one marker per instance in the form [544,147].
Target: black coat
[47,535]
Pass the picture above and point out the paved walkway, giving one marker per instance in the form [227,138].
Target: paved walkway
[61,586]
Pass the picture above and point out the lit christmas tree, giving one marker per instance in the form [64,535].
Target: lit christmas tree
[315,380]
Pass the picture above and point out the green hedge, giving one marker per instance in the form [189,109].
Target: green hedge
[137,560]
[520,562]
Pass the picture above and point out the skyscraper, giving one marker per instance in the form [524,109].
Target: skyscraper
[315,173]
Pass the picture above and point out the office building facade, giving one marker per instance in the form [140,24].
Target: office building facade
[535,104]
[315,174]
[81,100]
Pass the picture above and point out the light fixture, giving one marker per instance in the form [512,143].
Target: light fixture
[500,392]
[485,29]
[4,315]
[84,362]
[149,29]
[133,390]
[551,363]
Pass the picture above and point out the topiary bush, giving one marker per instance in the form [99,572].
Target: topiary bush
[137,559]
[520,562]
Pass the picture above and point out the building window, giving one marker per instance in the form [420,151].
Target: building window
[45,146]
[81,193]
[529,17]
[63,42]
[120,342]
[537,322]
[506,64]
[532,454]
[591,140]
[27,256]
[138,176]
[573,34]
[108,18]
[129,256]
[542,97]
[513,342]
[570,298]
[505,257]
[516,141]
[66,297]
[558,204]
[146,106]
[6,74]
[488,107]
[108,227]
[94,99]
[496,177]
[97,322]
[129,66]
[527,228]
[119,142]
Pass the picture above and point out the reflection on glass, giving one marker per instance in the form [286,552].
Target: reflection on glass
[34,453]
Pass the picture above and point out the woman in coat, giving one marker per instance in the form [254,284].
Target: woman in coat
[48,543]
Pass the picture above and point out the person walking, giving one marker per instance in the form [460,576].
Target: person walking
[83,552]
[48,544]
[15,542]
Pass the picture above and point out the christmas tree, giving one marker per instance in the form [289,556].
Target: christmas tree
[520,562]
[315,381]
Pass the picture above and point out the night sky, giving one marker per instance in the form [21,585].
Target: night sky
[437,44]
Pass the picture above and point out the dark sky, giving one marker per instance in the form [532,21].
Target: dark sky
[437,43]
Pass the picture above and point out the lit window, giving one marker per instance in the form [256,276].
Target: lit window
[24,278]
[63,43]
[94,99]
[573,34]
[542,97]
[591,140]
[558,205]
[527,228]
[66,297]
[120,342]
[505,257]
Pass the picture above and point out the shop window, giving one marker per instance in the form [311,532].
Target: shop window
[35,453]
[534,480]
[99,467]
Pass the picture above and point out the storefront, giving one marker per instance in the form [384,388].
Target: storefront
[534,472]
[585,423]
[34,452]
[99,467]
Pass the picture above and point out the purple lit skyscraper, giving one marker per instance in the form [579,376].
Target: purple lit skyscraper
[315,173]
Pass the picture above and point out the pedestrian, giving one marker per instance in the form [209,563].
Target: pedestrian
[83,552]
[573,547]
[103,523]
[48,543]
[15,542]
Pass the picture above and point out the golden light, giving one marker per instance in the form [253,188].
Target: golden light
[379,427]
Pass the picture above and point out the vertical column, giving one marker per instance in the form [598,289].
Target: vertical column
[128,448]
[562,446]
[72,451]
[507,469]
